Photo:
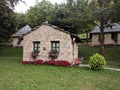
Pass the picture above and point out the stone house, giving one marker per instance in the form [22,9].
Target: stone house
[111,35]
[47,38]
[18,36]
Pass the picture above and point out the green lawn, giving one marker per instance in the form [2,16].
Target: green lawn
[15,76]
[112,54]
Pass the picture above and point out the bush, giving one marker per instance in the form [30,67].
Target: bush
[97,62]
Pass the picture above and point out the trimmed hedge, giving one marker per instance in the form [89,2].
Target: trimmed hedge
[97,62]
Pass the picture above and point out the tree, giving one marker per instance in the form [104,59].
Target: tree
[40,13]
[21,21]
[7,22]
[73,16]
[101,10]
[115,16]
[10,3]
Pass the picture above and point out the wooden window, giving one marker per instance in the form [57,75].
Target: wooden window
[114,36]
[55,46]
[36,46]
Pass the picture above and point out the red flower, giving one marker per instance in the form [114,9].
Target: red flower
[58,63]
[33,62]
[38,61]
[50,62]
[62,63]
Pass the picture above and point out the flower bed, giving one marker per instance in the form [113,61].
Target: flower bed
[58,62]
[33,62]
[50,62]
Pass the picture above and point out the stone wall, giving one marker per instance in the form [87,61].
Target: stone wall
[45,34]
[107,39]
[95,39]
[15,42]
[118,39]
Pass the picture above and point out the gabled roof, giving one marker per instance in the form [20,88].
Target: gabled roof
[115,28]
[57,28]
[22,31]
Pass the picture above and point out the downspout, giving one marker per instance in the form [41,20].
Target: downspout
[73,40]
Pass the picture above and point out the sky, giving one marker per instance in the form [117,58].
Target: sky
[22,8]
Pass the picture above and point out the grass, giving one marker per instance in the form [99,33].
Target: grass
[15,76]
[112,54]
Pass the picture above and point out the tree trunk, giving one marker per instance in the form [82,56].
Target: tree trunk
[101,19]
[101,39]
[87,37]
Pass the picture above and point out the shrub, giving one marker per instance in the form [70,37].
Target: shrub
[97,62]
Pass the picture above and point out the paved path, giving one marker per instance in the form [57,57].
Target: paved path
[112,69]
[84,65]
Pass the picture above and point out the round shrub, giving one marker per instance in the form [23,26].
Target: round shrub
[97,62]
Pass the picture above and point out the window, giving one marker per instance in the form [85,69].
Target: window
[36,46]
[55,46]
[19,40]
[114,36]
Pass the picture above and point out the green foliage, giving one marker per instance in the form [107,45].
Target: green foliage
[41,12]
[7,22]
[11,3]
[97,62]
[79,21]
[21,20]
[115,16]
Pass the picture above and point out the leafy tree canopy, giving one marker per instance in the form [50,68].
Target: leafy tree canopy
[41,12]
[7,19]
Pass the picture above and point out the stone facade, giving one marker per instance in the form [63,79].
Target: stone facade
[107,39]
[15,42]
[45,34]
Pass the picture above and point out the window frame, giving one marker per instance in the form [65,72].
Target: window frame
[114,36]
[55,46]
[36,46]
